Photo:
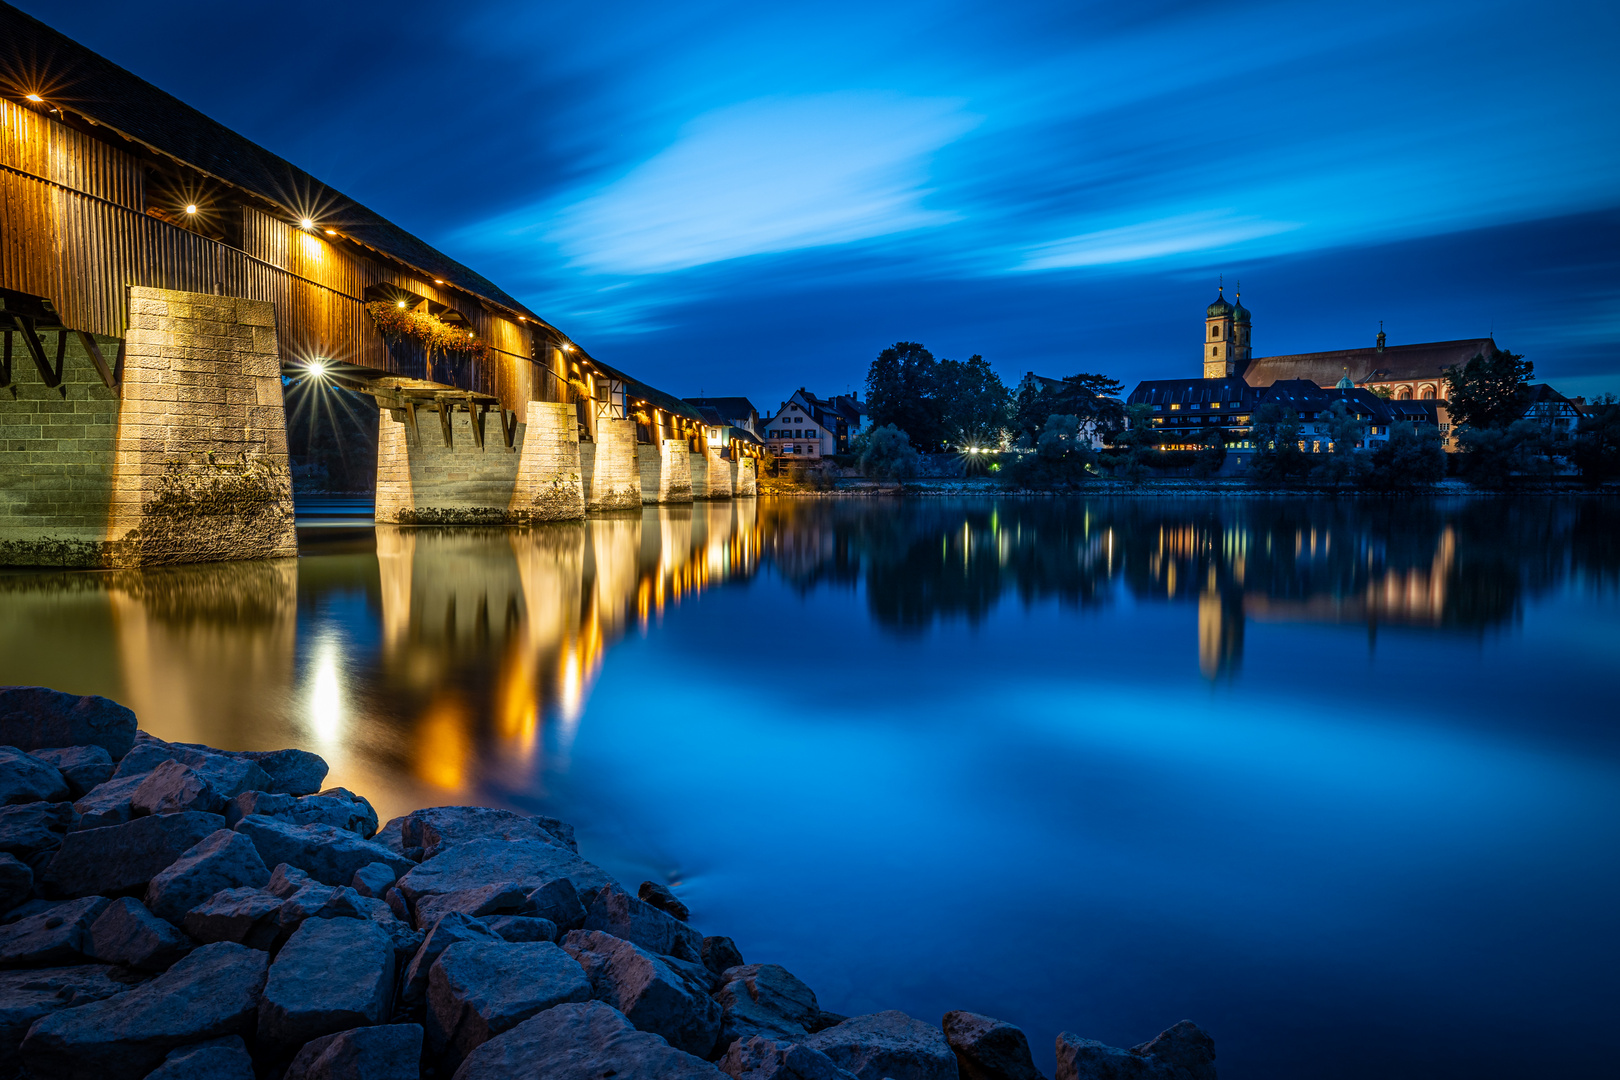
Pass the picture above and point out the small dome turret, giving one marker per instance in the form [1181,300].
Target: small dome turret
[1240,314]
[1344,382]
[1220,307]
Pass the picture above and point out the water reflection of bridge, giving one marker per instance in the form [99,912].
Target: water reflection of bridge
[484,642]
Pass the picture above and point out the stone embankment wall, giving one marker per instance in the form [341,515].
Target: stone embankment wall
[171,911]
[185,462]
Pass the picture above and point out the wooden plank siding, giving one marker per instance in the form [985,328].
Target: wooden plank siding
[73,228]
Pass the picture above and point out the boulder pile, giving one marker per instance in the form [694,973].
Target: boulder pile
[173,911]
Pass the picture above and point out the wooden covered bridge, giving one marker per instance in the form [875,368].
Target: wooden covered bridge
[162,278]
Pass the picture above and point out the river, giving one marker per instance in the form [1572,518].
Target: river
[1337,779]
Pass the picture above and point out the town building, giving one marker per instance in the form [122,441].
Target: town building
[808,428]
[739,412]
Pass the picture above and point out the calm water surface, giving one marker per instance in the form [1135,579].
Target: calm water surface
[1339,781]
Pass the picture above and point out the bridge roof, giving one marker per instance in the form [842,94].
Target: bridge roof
[35,59]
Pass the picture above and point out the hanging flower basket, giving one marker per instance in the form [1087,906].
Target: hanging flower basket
[436,336]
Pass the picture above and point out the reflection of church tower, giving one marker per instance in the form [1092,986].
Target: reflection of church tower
[1220,632]
[1218,338]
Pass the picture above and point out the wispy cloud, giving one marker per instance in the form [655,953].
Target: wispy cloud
[1199,232]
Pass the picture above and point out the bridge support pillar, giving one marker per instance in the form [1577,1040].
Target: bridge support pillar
[666,475]
[423,481]
[185,460]
[608,467]
[719,474]
[744,482]
[698,466]
[549,483]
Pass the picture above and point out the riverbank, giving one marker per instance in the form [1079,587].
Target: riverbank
[1164,488]
[173,910]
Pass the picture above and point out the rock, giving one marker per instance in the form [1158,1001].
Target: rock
[505,898]
[333,974]
[390,1052]
[720,954]
[453,929]
[245,916]
[521,927]
[147,753]
[107,804]
[887,1045]
[306,903]
[563,831]
[16,882]
[210,994]
[764,999]
[396,903]
[57,936]
[758,1058]
[31,829]
[31,908]
[328,854]
[34,718]
[587,1041]
[988,1049]
[657,993]
[1181,1052]
[559,902]
[618,913]
[83,767]
[291,772]
[226,774]
[390,836]
[26,779]
[171,787]
[25,996]
[374,879]
[337,807]
[660,897]
[216,1059]
[286,880]
[127,933]
[221,860]
[436,829]
[476,863]
[478,989]
[123,858]
[263,803]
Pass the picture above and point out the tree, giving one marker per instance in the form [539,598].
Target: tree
[900,388]
[1093,398]
[1213,455]
[1502,458]
[1341,464]
[1063,456]
[1136,444]
[1413,456]
[1277,454]
[886,453]
[1489,393]
[971,403]
[1596,447]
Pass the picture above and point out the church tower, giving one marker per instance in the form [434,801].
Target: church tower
[1218,343]
[1241,352]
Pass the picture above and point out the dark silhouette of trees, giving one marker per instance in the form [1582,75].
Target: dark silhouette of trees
[1489,393]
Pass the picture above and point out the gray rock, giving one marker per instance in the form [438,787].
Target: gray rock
[30,909]
[221,860]
[31,829]
[758,1058]
[563,831]
[227,775]
[291,772]
[54,937]
[453,929]
[212,993]
[504,898]
[107,804]
[436,829]
[406,940]
[263,803]
[661,897]
[337,807]
[244,916]
[587,1041]
[657,993]
[887,1045]
[172,787]
[306,903]
[618,913]
[521,927]
[25,996]
[374,879]
[16,882]
[389,1052]
[328,854]
[35,718]
[477,863]
[333,974]
[83,767]
[988,1049]
[26,779]
[396,903]
[123,858]
[391,836]
[764,999]
[478,989]
[559,902]
[216,1059]
[1181,1052]
[721,954]
[286,880]
[146,754]
[126,933]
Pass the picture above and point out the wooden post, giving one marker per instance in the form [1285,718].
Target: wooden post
[100,362]
[444,421]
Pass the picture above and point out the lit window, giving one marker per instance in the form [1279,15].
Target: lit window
[1174,407]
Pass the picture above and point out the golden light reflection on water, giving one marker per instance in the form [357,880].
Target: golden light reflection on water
[483,644]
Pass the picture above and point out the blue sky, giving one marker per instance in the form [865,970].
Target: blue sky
[744,198]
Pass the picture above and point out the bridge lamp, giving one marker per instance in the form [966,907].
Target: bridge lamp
[399,303]
[191,208]
[35,98]
[568,348]
[306,223]
[331,232]
[316,368]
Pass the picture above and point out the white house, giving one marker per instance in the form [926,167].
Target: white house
[808,428]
